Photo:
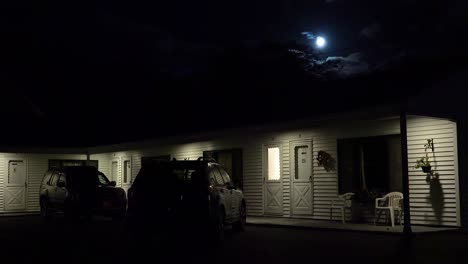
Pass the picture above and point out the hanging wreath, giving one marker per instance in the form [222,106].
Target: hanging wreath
[324,159]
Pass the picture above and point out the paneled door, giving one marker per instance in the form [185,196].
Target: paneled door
[16,185]
[301,177]
[273,190]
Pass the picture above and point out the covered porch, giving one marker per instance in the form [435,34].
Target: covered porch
[371,156]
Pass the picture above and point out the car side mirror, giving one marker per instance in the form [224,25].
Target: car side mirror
[113,183]
[61,184]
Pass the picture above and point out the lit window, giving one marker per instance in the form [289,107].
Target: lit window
[273,164]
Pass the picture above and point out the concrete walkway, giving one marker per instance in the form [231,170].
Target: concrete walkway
[335,225]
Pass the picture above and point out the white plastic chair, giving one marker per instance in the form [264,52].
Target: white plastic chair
[343,201]
[392,202]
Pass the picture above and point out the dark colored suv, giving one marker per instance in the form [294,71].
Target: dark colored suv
[80,191]
[174,195]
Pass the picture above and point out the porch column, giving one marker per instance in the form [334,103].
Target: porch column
[404,173]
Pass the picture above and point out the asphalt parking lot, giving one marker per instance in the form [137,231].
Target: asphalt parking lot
[28,239]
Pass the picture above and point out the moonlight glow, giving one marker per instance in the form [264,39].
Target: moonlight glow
[320,42]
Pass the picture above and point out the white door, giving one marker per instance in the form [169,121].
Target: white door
[16,183]
[114,173]
[126,173]
[301,177]
[273,190]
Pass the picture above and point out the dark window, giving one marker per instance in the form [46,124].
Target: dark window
[146,160]
[54,179]
[369,164]
[231,160]
[53,163]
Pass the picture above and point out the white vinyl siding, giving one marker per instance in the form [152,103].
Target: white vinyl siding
[37,165]
[325,183]
[433,203]
[2,182]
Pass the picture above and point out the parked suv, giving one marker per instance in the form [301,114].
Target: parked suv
[174,195]
[80,191]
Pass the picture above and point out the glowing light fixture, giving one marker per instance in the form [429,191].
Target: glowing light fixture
[320,42]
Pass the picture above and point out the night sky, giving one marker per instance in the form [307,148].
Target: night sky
[90,73]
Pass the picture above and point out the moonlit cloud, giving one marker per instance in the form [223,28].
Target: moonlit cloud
[309,35]
[343,67]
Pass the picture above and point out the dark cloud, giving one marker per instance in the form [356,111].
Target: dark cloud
[371,31]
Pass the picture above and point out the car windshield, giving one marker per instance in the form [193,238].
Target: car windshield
[84,177]
[170,173]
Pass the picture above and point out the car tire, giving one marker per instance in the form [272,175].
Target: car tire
[45,211]
[239,226]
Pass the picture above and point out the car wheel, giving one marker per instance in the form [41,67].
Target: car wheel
[45,211]
[240,225]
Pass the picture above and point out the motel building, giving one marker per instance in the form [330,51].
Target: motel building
[309,171]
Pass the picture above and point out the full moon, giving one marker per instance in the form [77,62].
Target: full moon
[320,42]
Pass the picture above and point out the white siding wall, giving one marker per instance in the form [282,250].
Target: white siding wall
[103,162]
[2,182]
[325,184]
[37,166]
[429,198]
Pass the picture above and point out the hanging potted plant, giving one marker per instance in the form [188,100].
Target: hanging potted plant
[424,164]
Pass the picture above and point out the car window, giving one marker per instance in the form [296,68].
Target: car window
[46,178]
[103,179]
[212,179]
[225,175]
[53,180]
[217,176]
